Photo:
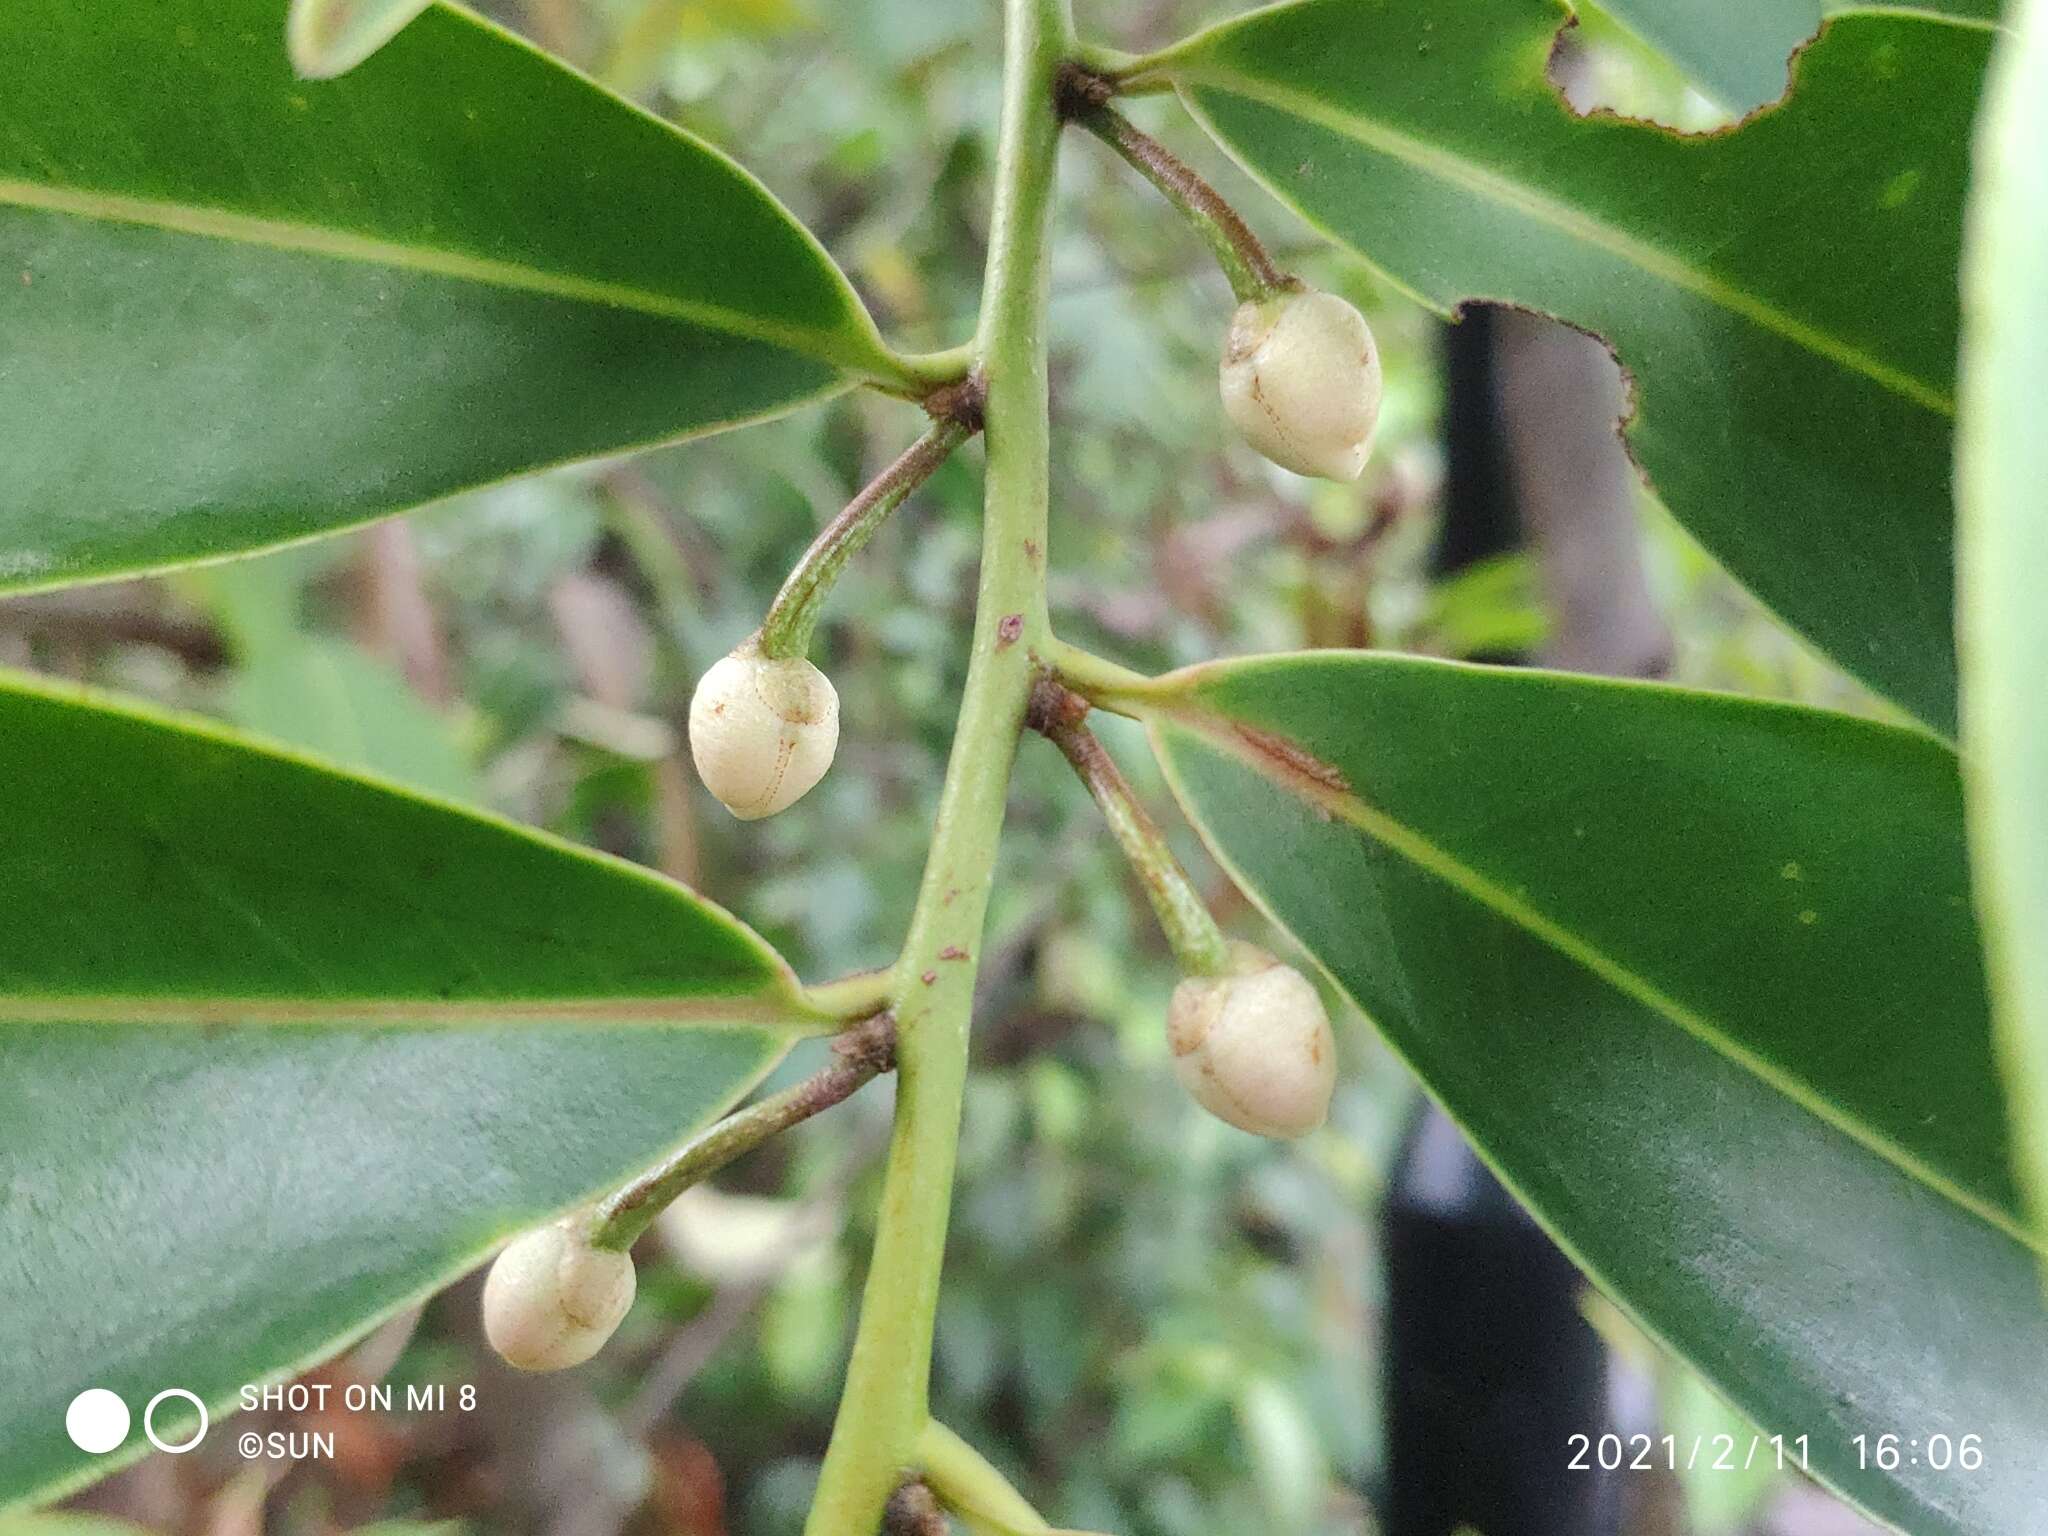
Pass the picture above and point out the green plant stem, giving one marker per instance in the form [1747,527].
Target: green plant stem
[851,997]
[885,1406]
[971,1488]
[1057,714]
[863,1054]
[1251,271]
[1104,683]
[793,616]
[927,371]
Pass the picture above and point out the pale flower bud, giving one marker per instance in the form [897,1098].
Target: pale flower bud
[552,1300]
[762,731]
[1254,1045]
[1301,382]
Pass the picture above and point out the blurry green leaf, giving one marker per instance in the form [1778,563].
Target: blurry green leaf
[1721,1493]
[1738,51]
[331,37]
[240,308]
[1697,974]
[1490,608]
[2002,489]
[1782,296]
[67,1525]
[318,693]
[804,1325]
[1286,1459]
[327,697]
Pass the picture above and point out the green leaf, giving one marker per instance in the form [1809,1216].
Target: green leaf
[1737,51]
[207,1207]
[1783,296]
[164,871]
[240,309]
[1698,976]
[2002,469]
[331,37]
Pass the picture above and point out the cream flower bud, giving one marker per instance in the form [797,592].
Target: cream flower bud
[1301,382]
[552,1300]
[1254,1045]
[762,731]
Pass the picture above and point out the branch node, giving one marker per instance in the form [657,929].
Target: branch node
[1054,709]
[914,1510]
[870,1046]
[960,402]
[1077,89]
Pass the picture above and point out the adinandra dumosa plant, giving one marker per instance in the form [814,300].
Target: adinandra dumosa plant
[1700,975]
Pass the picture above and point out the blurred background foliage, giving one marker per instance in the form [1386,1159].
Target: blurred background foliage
[1159,1325]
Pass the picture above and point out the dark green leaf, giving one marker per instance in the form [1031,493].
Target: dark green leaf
[2002,480]
[203,1211]
[239,308]
[1698,976]
[161,871]
[205,1207]
[1737,51]
[1783,296]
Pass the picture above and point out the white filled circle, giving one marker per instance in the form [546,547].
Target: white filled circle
[149,1421]
[96,1421]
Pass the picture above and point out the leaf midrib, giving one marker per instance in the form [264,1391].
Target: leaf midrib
[766,1005]
[1217,732]
[342,245]
[1483,180]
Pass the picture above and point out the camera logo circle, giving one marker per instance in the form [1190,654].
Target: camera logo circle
[149,1421]
[96,1421]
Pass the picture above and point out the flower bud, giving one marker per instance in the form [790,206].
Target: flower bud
[552,1300]
[1301,382]
[1254,1045]
[762,731]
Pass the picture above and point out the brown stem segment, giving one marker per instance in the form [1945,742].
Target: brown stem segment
[1058,713]
[793,616]
[1083,97]
[914,1511]
[865,1052]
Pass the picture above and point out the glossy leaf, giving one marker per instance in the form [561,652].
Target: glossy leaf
[2002,484]
[1738,51]
[240,308]
[156,870]
[1782,296]
[331,37]
[1698,976]
[205,1207]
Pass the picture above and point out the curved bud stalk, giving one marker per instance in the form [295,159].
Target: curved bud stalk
[1057,714]
[1084,99]
[553,1299]
[1254,1046]
[764,722]
[862,1054]
[1250,1037]
[1300,374]
[1301,381]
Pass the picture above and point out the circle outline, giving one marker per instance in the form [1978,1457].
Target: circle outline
[149,1426]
